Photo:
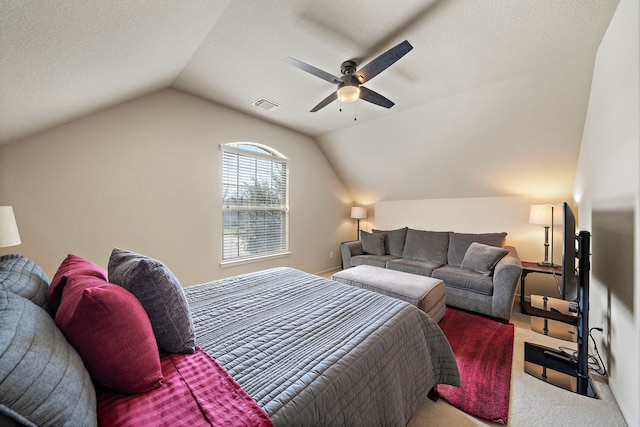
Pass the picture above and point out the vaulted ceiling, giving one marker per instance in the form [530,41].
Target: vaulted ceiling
[491,100]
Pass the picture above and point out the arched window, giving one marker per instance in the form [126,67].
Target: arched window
[255,202]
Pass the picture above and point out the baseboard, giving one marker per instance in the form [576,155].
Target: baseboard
[328,272]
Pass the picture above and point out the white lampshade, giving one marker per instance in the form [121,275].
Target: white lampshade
[358,212]
[9,235]
[542,215]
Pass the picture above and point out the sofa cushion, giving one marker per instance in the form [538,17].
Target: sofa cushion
[482,258]
[456,277]
[20,275]
[72,265]
[161,295]
[112,333]
[394,240]
[42,378]
[426,245]
[460,242]
[414,266]
[375,260]
[372,243]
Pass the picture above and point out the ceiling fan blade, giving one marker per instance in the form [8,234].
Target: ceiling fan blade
[382,62]
[315,71]
[328,100]
[375,98]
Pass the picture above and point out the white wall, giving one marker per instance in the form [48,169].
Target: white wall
[479,215]
[145,176]
[608,192]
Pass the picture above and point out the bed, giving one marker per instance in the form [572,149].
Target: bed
[304,349]
[311,351]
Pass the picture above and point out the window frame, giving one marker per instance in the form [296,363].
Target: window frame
[257,152]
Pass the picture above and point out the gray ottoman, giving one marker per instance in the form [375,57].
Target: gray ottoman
[426,293]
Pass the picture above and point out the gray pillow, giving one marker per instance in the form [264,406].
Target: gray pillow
[459,243]
[372,243]
[482,258]
[394,241]
[426,245]
[20,275]
[161,295]
[42,378]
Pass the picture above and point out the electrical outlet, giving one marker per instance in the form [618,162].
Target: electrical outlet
[330,254]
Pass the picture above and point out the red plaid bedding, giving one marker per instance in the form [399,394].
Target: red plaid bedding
[197,391]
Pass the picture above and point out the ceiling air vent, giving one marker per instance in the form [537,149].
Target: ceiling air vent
[265,104]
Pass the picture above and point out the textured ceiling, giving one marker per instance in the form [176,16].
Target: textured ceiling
[62,59]
[487,69]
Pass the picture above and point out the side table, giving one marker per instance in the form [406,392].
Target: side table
[533,267]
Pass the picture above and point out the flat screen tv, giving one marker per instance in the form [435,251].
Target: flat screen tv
[570,283]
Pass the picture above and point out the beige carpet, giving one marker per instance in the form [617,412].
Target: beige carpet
[533,402]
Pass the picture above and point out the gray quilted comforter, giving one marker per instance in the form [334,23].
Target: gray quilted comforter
[312,351]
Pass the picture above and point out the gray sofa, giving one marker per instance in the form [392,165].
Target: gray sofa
[480,273]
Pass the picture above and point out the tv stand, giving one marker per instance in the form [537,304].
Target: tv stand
[555,366]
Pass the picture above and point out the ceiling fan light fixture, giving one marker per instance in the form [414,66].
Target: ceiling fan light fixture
[349,89]
[348,94]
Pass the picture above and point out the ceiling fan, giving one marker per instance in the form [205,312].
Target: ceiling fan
[349,85]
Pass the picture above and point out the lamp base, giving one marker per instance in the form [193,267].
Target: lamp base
[547,264]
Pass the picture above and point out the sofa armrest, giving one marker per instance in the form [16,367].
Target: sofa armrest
[349,249]
[505,282]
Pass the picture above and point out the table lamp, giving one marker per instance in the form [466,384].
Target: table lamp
[547,216]
[9,235]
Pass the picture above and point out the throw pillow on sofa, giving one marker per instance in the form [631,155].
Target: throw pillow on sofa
[459,243]
[482,258]
[394,240]
[372,243]
[112,333]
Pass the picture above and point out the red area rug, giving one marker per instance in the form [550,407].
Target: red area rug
[484,351]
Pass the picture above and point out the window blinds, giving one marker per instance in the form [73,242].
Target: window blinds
[255,204]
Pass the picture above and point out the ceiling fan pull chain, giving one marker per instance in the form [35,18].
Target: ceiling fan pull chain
[355,112]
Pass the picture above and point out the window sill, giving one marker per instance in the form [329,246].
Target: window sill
[233,263]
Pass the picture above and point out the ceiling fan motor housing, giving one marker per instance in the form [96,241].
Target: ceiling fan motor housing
[348,67]
[349,80]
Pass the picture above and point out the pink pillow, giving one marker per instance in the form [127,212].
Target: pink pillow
[71,266]
[112,333]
